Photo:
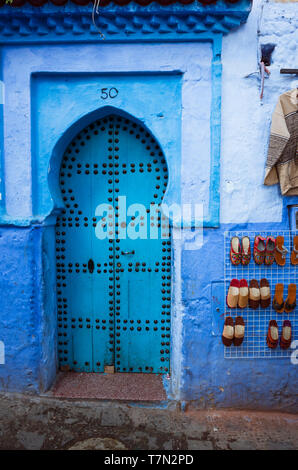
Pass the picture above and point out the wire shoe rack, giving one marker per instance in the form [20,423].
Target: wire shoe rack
[256,321]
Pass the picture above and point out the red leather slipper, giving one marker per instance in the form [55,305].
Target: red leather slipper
[259,249]
[233,293]
[270,250]
[235,251]
[245,251]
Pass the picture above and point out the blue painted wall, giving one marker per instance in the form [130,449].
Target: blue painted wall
[245,204]
[28,329]
[175,88]
[207,377]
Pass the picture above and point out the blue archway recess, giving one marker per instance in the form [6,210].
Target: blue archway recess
[131,23]
[48,147]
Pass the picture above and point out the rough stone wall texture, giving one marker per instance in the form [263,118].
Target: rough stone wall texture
[279,25]
[246,119]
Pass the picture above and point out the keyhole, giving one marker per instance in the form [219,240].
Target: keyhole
[91,266]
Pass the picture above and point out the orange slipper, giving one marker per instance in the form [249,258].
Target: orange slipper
[233,293]
[272,335]
[254,294]
[278,299]
[294,254]
[239,331]
[290,303]
[243,294]
[265,293]
[228,332]
[280,251]
[286,335]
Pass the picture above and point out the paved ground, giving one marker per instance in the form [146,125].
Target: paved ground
[28,422]
[133,387]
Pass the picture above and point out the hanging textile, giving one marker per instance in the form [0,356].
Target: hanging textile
[282,158]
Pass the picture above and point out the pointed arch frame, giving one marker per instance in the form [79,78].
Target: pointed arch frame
[70,134]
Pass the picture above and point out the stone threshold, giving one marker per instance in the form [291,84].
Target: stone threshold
[119,386]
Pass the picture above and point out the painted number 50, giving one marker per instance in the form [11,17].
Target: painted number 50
[109,93]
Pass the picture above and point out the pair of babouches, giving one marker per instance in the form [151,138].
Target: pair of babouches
[234,331]
[273,335]
[258,294]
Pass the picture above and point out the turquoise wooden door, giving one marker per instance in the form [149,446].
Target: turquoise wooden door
[113,278]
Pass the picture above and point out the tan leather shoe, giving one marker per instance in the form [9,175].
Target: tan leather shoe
[243,294]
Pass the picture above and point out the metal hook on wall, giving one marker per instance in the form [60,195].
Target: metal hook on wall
[266,58]
[266,54]
[263,70]
[260,73]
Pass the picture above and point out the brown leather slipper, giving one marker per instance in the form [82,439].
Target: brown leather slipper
[272,335]
[286,335]
[239,331]
[294,254]
[278,299]
[280,251]
[228,332]
[265,293]
[254,294]
[290,303]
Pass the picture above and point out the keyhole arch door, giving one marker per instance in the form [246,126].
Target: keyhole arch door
[113,251]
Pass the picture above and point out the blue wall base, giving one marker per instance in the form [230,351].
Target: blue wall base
[27,329]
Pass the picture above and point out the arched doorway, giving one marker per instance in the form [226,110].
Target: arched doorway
[113,251]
